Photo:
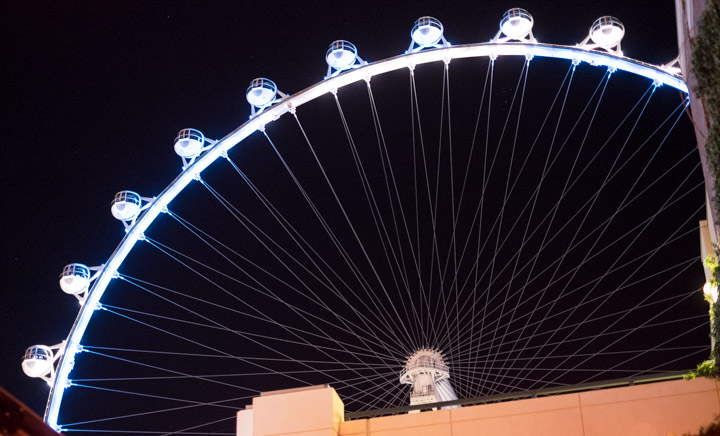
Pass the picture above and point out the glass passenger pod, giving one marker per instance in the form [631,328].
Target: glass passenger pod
[37,361]
[189,143]
[607,31]
[427,31]
[516,23]
[75,278]
[126,205]
[261,92]
[341,54]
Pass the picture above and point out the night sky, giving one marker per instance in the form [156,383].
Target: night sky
[94,93]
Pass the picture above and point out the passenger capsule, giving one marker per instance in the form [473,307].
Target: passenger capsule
[189,143]
[427,31]
[37,361]
[126,205]
[341,54]
[75,278]
[261,92]
[607,31]
[516,23]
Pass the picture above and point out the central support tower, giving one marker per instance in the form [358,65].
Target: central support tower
[428,374]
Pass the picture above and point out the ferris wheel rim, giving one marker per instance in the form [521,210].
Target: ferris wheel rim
[287,104]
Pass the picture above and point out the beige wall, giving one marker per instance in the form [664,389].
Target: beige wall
[653,409]
[311,411]
[661,409]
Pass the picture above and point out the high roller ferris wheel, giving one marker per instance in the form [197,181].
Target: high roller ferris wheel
[398,284]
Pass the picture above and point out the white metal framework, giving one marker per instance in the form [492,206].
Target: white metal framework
[138,213]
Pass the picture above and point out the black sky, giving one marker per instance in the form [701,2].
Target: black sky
[94,92]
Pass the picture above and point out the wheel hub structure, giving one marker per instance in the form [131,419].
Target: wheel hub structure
[428,375]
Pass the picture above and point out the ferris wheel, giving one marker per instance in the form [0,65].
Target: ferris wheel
[452,222]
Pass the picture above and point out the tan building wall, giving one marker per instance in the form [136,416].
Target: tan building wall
[312,411]
[653,409]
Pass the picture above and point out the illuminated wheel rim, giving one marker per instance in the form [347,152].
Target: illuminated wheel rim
[291,104]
